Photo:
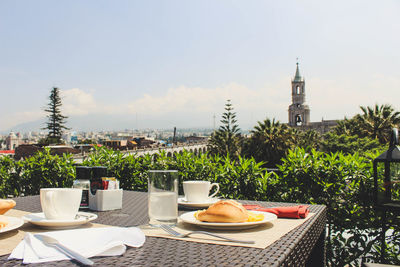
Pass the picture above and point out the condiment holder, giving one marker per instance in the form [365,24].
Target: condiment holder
[104,200]
[104,193]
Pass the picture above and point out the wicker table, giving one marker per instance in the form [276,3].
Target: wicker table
[303,246]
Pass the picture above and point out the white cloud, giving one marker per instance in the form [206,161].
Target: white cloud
[197,99]
[78,102]
[191,106]
[185,104]
[185,99]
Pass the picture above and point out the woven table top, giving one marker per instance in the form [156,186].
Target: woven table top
[293,249]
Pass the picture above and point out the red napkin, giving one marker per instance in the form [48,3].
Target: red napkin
[295,212]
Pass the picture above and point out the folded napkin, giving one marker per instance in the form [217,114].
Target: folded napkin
[296,212]
[89,242]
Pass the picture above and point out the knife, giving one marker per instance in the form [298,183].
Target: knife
[52,242]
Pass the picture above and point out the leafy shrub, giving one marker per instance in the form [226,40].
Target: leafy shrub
[9,170]
[130,171]
[45,170]
[342,182]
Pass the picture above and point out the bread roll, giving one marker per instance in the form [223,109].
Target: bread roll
[228,211]
[6,204]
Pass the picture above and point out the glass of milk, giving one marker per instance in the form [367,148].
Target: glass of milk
[163,197]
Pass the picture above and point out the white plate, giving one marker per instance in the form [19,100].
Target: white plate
[188,217]
[13,223]
[182,201]
[40,220]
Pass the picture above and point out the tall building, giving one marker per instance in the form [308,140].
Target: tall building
[299,111]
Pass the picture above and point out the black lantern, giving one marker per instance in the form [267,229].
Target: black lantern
[387,188]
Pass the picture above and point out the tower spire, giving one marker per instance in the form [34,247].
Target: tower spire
[297,76]
[299,112]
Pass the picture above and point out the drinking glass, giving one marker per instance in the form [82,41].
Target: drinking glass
[163,197]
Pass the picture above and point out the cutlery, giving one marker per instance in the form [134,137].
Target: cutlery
[171,231]
[52,242]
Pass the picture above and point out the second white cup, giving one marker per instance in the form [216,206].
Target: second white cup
[60,203]
[198,191]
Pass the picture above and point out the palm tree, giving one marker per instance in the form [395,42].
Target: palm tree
[269,142]
[346,127]
[310,139]
[376,122]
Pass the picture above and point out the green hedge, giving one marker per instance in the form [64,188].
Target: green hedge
[39,171]
[344,183]
[341,182]
[239,180]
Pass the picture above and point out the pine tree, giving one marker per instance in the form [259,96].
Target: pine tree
[56,121]
[227,139]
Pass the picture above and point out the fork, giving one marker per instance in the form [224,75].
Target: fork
[171,231]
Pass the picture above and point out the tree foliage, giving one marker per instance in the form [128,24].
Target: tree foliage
[227,139]
[368,131]
[308,139]
[87,141]
[344,183]
[56,121]
[349,144]
[269,142]
[346,127]
[377,122]
[374,122]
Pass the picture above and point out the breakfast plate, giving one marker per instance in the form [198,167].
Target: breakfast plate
[13,223]
[204,204]
[189,217]
[40,220]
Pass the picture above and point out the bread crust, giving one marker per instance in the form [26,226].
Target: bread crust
[228,211]
[5,205]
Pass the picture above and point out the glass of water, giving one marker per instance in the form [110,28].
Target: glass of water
[163,197]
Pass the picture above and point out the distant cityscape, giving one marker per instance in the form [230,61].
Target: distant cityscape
[117,139]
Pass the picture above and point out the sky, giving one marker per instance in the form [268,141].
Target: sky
[162,64]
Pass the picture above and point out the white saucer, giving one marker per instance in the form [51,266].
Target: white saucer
[204,204]
[40,220]
[13,223]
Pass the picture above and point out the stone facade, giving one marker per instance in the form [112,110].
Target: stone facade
[299,111]
[13,141]
[322,127]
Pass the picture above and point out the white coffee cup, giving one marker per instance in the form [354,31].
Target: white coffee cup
[198,191]
[60,203]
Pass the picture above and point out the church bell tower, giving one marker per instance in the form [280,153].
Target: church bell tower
[299,112]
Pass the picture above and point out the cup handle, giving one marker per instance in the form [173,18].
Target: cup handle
[216,191]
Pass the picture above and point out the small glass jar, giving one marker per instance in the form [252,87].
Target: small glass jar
[85,186]
[83,176]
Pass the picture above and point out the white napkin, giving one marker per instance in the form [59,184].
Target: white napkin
[89,242]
